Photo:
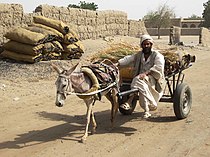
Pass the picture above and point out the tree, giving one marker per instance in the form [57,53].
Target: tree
[84,5]
[206,14]
[195,17]
[160,18]
[73,6]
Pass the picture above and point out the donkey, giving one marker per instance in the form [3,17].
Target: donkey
[77,82]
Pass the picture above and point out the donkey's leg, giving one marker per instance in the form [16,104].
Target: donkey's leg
[108,96]
[94,124]
[112,97]
[89,104]
[115,106]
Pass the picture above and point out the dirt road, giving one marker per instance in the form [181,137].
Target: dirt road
[32,126]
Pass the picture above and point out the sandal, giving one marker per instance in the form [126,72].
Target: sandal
[147,115]
[125,106]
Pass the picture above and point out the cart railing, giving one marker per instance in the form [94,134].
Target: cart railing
[172,82]
[175,91]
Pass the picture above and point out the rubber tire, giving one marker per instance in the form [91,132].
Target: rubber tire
[182,101]
[130,111]
[124,99]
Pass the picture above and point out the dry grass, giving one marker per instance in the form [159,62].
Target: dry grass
[119,50]
[115,52]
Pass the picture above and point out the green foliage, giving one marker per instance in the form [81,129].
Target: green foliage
[195,17]
[73,6]
[85,5]
[206,14]
[161,18]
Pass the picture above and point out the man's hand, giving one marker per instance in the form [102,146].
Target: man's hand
[143,75]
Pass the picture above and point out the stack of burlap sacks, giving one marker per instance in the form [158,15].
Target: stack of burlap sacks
[45,39]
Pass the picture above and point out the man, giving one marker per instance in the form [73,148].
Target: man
[149,78]
[171,36]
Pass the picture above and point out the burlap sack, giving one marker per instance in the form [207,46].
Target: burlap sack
[66,56]
[69,56]
[21,57]
[53,46]
[76,47]
[23,35]
[70,49]
[80,46]
[70,38]
[51,56]
[59,34]
[56,24]
[23,48]
[39,30]
[72,29]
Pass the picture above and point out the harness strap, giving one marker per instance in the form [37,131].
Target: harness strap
[94,92]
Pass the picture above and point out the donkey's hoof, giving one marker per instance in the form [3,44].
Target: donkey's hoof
[93,132]
[83,140]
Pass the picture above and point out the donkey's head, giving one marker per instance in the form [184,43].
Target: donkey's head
[63,84]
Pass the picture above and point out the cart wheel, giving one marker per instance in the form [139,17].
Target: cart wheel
[124,99]
[182,101]
[130,111]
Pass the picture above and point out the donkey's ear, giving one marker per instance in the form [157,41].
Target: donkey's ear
[56,68]
[72,69]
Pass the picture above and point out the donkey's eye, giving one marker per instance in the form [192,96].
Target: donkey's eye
[65,80]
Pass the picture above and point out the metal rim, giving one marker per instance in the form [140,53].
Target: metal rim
[185,100]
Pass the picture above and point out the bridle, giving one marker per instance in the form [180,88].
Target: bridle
[64,90]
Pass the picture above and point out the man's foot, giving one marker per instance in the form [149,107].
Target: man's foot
[125,106]
[152,107]
[147,115]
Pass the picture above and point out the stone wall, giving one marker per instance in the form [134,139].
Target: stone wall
[204,37]
[154,31]
[88,24]
[136,28]
[166,31]
[10,15]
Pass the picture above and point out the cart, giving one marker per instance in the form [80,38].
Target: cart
[176,91]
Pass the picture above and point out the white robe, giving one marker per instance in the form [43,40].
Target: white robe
[151,87]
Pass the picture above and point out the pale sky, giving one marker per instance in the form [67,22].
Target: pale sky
[135,9]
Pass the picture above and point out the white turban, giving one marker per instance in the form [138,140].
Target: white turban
[146,37]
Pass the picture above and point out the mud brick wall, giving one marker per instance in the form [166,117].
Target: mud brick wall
[136,28]
[10,15]
[86,23]
[204,39]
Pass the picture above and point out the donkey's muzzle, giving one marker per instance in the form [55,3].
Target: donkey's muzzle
[59,100]
[59,104]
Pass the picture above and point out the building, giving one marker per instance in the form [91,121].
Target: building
[187,23]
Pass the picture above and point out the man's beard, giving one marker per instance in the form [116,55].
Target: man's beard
[147,50]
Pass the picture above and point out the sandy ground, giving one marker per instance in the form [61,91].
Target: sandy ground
[32,126]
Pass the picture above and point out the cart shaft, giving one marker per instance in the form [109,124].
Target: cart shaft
[121,94]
